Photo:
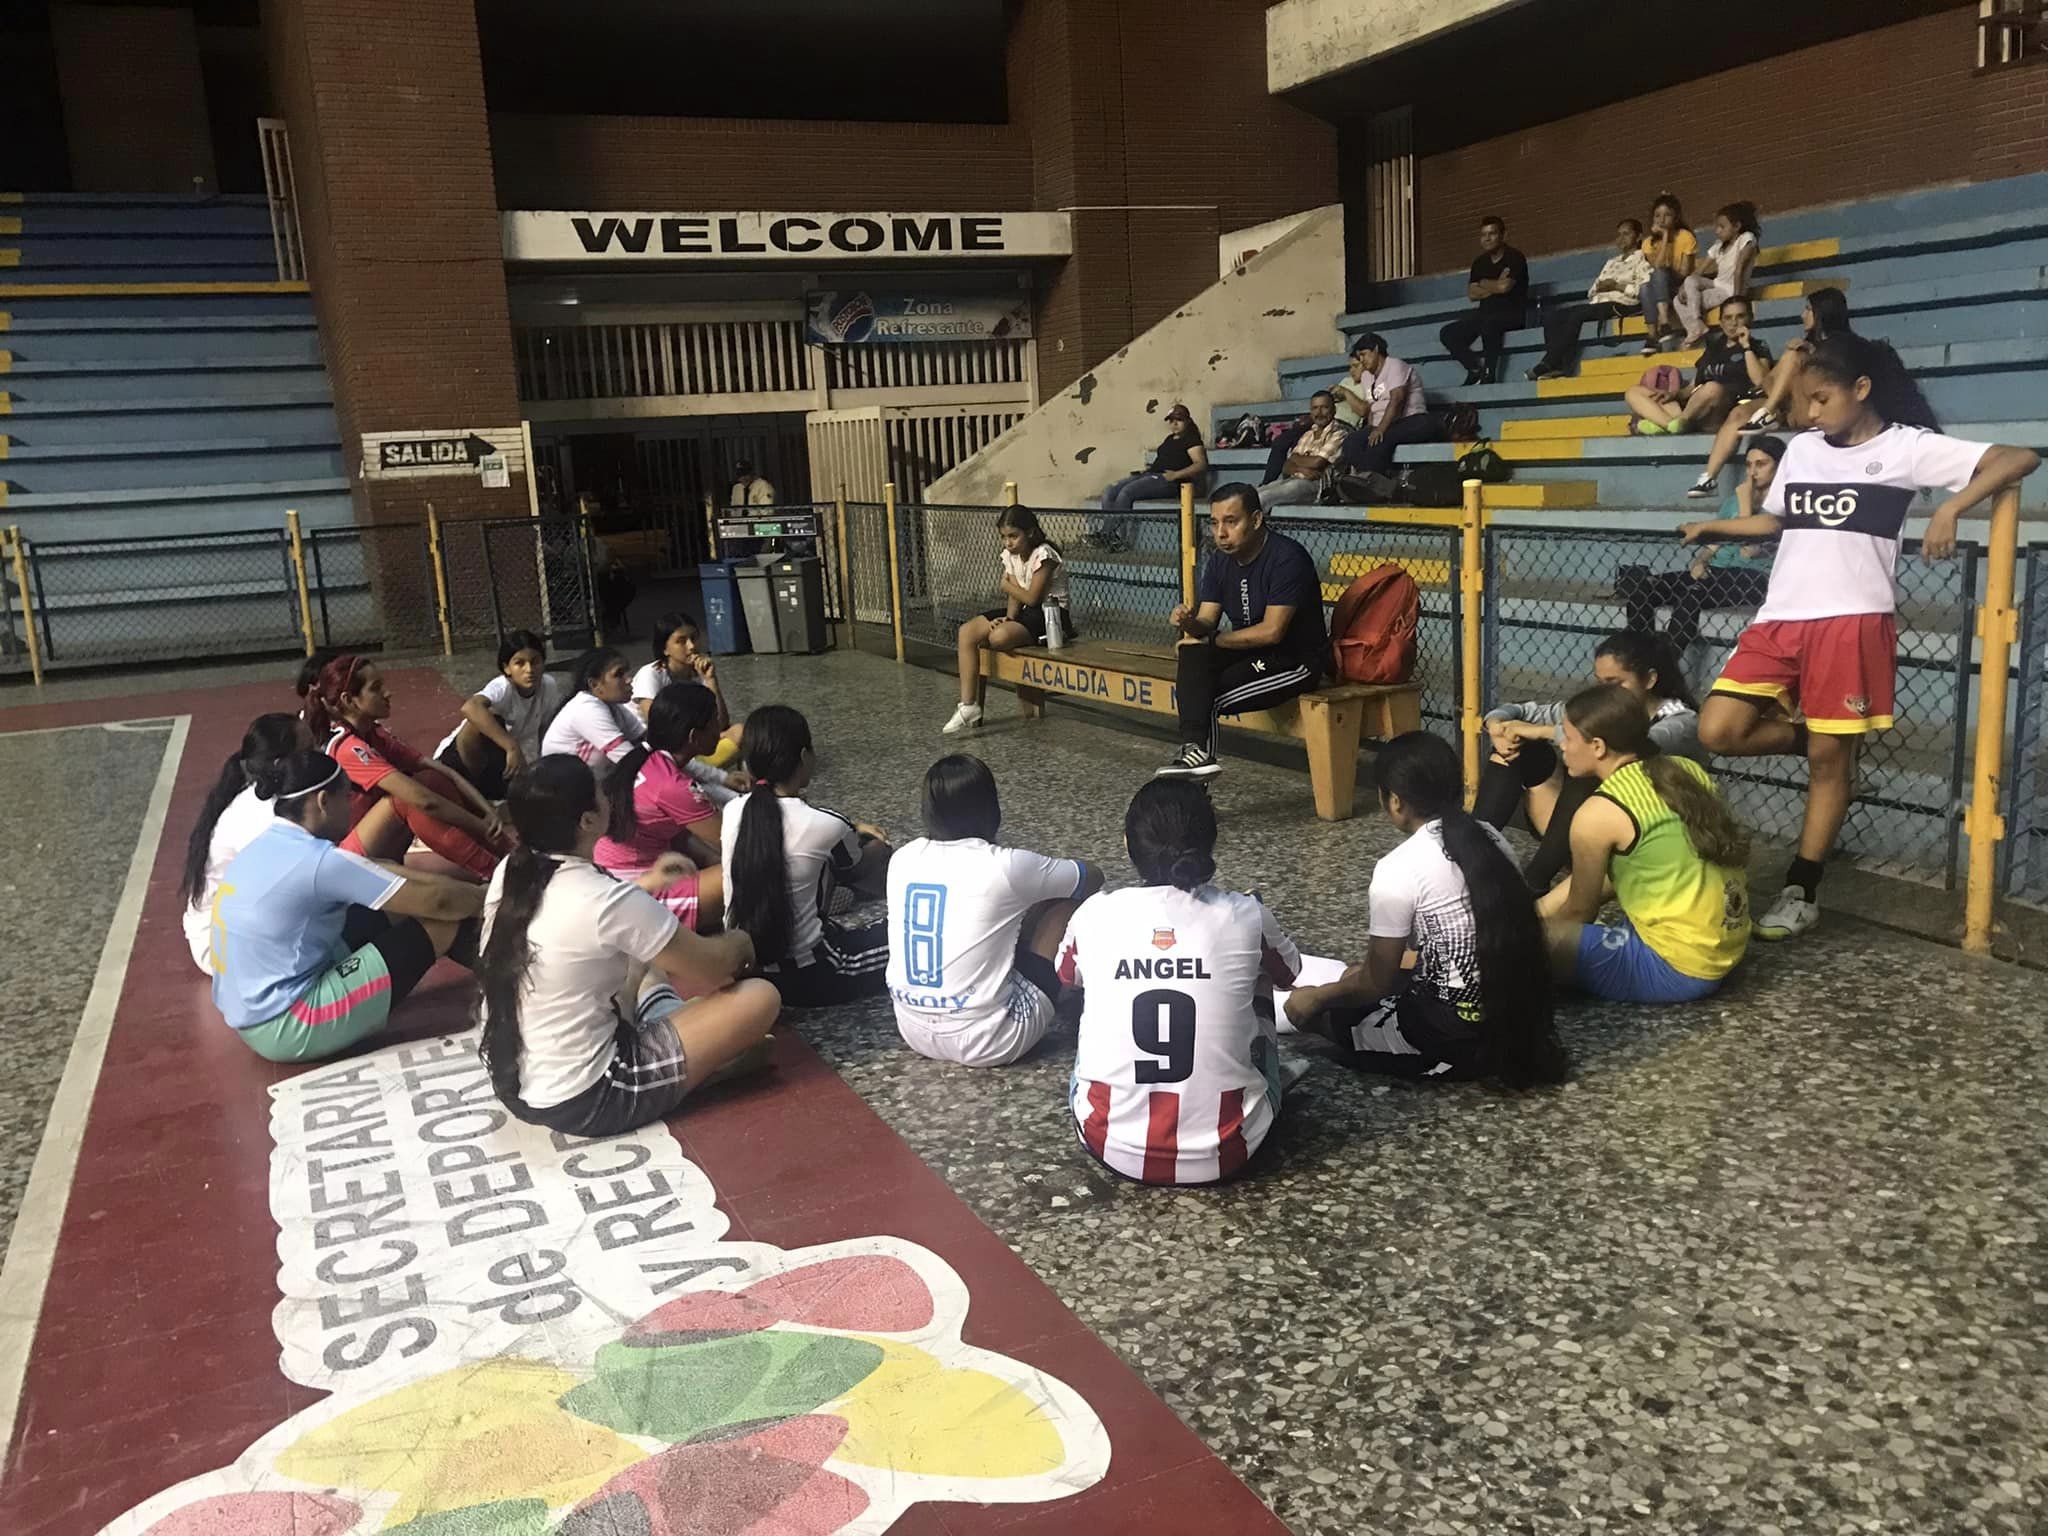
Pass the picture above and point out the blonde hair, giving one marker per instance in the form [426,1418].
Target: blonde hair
[1615,716]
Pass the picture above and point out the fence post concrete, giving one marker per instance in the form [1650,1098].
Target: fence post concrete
[1997,629]
[438,558]
[291,523]
[1471,585]
[1187,542]
[19,558]
[895,568]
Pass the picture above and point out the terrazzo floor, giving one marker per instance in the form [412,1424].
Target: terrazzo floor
[1772,1263]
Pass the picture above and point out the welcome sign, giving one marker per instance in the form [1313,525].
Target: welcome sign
[528,1334]
[556,235]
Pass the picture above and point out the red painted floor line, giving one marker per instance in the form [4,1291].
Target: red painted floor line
[155,1360]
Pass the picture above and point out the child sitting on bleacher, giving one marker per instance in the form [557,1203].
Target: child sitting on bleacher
[1722,274]
[1033,581]
[1734,364]
[1825,314]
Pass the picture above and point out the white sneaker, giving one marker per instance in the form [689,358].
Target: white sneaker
[1791,915]
[965,718]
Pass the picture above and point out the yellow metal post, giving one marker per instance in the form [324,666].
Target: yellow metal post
[845,565]
[1997,630]
[710,526]
[28,608]
[1471,584]
[291,523]
[584,532]
[437,557]
[895,568]
[1009,493]
[1187,542]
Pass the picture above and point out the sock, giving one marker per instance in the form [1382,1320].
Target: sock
[1804,873]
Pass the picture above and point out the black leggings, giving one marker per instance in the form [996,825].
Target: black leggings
[408,952]
[1502,788]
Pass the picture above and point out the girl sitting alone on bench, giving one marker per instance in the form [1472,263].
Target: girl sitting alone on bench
[307,958]
[585,1030]
[232,818]
[1477,1002]
[657,810]
[1034,580]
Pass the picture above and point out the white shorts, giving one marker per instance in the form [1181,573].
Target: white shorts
[995,1043]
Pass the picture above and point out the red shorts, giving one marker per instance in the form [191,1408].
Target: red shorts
[1837,672]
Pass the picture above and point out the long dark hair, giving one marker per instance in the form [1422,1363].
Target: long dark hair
[1025,521]
[268,738]
[757,877]
[310,669]
[1518,1012]
[678,712]
[335,682]
[959,800]
[1170,830]
[1667,200]
[1894,396]
[667,625]
[287,782]
[545,803]
[1830,308]
[1616,717]
[1743,217]
[1643,654]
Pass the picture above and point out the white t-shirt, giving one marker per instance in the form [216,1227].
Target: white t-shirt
[1420,896]
[757,492]
[1176,1075]
[244,820]
[650,680]
[592,729]
[1025,571]
[524,716]
[818,846]
[1378,388]
[589,933]
[1845,513]
[955,911]
[1723,254]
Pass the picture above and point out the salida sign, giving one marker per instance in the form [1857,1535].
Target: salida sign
[426,452]
[559,235]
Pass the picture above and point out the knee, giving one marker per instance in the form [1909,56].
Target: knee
[973,632]
[760,1004]
[1828,757]
[1718,733]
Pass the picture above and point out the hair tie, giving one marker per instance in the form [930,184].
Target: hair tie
[311,788]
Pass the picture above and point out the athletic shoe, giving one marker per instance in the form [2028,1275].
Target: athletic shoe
[1474,376]
[1191,763]
[1765,421]
[1542,371]
[1705,486]
[965,718]
[1651,347]
[1790,916]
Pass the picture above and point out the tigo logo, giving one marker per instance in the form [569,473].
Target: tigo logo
[1830,507]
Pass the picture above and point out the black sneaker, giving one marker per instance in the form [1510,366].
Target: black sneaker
[1474,376]
[1190,763]
[1541,371]
[1705,486]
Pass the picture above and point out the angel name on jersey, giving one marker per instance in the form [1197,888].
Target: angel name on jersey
[1155,968]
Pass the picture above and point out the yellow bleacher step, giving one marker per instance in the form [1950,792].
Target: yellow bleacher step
[3,445]
[1541,495]
[9,224]
[1633,325]
[1631,366]
[6,321]
[6,362]
[137,290]
[1520,429]
[1799,250]
[1536,450]
[1427,572]
[6,403]
[10,256]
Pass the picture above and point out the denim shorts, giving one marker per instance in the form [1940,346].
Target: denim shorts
[1616,964]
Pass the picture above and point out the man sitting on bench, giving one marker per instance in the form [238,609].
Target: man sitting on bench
[1275,647]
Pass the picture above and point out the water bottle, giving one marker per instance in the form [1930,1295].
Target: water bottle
[1055,627]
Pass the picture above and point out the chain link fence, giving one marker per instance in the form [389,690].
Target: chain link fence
[370,584]
[521,573]
[867,548]
[2023,856]
[1552,595]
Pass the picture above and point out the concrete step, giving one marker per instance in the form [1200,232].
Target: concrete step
[179,302]
[321,501]
[213,461]
[152,379]
[78,339]
[173,418]
[37,248]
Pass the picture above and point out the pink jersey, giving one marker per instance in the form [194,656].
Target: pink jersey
[1176,1074]
[665,802]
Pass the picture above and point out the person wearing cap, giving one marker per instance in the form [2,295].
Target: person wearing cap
[1180,456]
[313,946]
[1385,394]
[750,489]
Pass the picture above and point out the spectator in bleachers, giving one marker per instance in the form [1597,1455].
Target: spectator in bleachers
[1784,403]
[1387,395]
[1313,455]
[1180,456]
[1733,364]
[1722,273]
[1672,250]
[1499,287]
[1615,292]
[1730,575]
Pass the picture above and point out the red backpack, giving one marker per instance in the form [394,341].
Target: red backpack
[1372,631]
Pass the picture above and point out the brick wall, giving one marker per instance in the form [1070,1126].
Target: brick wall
[134,100]
[1885,111]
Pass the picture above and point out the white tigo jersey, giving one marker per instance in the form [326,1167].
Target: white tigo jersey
[1176,1078]
[593,730]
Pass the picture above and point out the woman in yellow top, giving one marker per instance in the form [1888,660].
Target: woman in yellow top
[1660,831]
[1673,251]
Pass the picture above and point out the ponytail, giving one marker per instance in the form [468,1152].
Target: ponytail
[1517,1007]
[1895,397]
[1647,654]
[269,738]
[677,714]
[757,881]
[546,803]
[331,684]
[1617,718]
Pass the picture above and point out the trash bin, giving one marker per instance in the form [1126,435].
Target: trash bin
[800,604]
[725,624]
[757,603]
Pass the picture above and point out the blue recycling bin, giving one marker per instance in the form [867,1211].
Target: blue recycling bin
[725,621]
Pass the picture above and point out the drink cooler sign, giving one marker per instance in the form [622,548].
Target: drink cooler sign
[877,315]
[528,1333]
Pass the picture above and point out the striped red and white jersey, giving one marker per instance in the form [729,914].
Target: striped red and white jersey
[1176,1080]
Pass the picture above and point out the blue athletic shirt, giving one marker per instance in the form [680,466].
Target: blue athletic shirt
[1283,576]
[277,919]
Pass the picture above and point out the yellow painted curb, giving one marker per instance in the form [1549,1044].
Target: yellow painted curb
[1799,250]
[137,290]
[1522,428]
[9,224]
[6,403]
[1427,573]
[10,256]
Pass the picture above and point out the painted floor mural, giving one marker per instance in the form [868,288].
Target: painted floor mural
[525,1334]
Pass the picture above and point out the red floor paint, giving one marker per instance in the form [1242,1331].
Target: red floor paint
[154,1360]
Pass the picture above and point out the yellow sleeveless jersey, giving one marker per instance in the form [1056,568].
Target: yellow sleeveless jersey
[1693,914]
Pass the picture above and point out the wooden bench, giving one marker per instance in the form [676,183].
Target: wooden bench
[1331,722]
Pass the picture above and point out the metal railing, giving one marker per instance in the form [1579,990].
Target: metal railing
[274,143]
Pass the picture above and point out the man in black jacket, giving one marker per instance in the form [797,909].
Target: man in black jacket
[1499,287]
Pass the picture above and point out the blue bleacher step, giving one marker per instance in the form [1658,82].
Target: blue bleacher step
[145,250]
[236,378]
[77,339]
[117,466]
[139,272]
[130,305]
[88,422]
[154,511]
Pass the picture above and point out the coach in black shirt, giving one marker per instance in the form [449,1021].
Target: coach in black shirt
[1499,286]
[1275,645]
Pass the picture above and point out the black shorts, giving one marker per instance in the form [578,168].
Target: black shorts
[647,1078]
[848,964]
[1032,617]
[489,774]
[1411,1034]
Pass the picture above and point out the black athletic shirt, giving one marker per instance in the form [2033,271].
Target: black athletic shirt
[1721,362]
[1283,575]
[1515,302]
[1171,455]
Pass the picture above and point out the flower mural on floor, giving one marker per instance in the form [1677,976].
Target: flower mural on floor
[528,1335]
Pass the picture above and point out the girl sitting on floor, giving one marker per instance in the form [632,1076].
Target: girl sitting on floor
[1033,580]
[1678,859]
[399,794]
[1176,1075]
[784,857]
[974,928]
[307,959]
[1524,767]
[679,658]
[1477,1002]
[598,721]
[584,1028]
[655,809]
[233,816]
[503,720]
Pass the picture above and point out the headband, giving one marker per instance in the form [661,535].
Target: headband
[312,788]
